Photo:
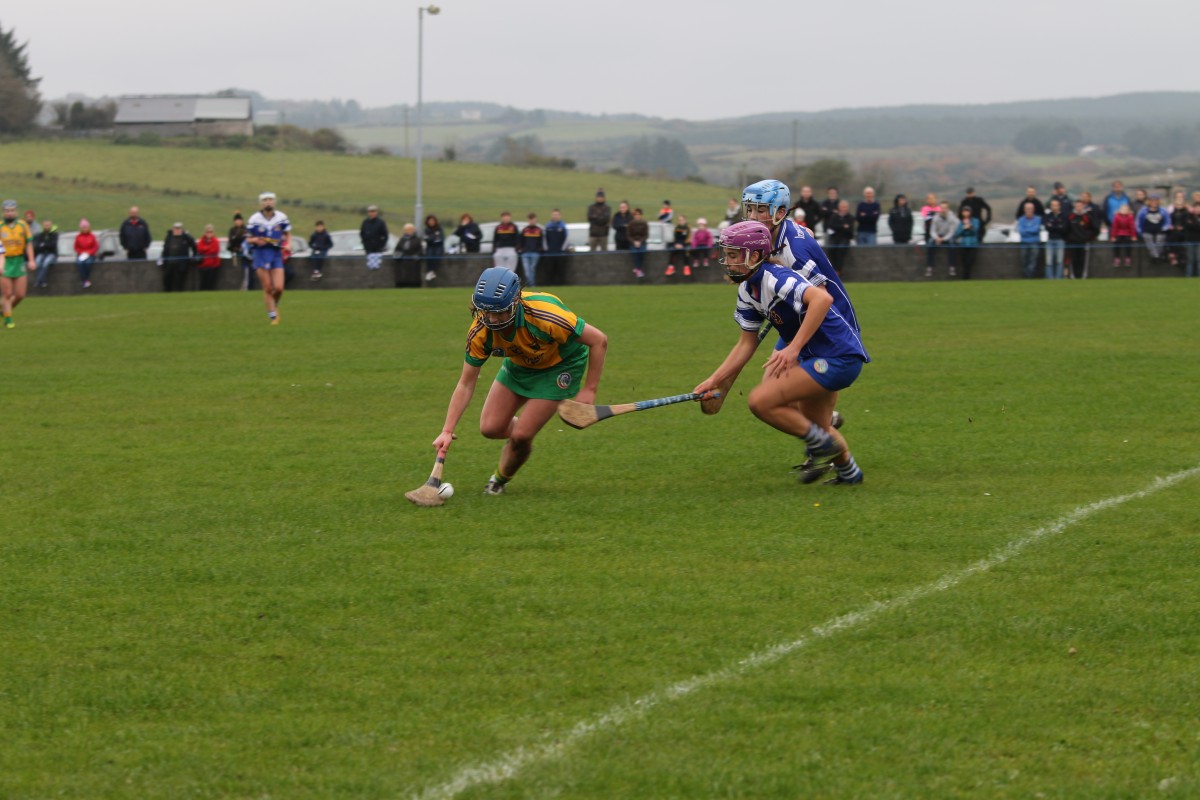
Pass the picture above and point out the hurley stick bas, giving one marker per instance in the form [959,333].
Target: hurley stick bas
[427,493]
[581,415]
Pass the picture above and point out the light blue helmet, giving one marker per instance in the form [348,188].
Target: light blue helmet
[771,193]
[498,291]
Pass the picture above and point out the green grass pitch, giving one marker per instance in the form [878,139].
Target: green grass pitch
[213,587]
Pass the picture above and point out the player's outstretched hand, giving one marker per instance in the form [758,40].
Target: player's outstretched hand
[705,388]
[586,396]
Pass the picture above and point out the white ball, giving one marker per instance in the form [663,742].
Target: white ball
[446,491]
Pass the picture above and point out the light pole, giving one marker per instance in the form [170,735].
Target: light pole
[419,214]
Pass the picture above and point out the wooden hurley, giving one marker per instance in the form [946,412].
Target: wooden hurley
[581,415]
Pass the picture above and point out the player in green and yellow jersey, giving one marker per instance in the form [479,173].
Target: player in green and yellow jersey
[550,354]
[18,253]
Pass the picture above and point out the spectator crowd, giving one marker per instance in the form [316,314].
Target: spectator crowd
[1054,237]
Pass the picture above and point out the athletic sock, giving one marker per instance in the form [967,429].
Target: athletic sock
[272,314]
[500,478]
[815,437]
[849,470]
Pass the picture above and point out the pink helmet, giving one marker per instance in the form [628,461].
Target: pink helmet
[749,237]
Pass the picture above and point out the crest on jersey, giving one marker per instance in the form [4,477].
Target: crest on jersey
[499,352]
[564,380]
[821,366]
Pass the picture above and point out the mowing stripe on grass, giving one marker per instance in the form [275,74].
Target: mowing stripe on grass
[509,764]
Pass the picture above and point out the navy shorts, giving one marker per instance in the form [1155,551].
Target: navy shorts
[268,258]
[835,373]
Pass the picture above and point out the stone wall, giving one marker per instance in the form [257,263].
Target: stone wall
[863,264]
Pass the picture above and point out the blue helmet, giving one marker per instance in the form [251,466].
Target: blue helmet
[771,193]
[498,291]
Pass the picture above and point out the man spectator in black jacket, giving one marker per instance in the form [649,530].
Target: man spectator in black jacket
[813,215]
[1039,210]
[829,208]
[178,253]
[841,234]
[135,236]
[900,220]
[1064,199]
[45,252]
[980,210]
[374,235]
[620,220]
[599,215]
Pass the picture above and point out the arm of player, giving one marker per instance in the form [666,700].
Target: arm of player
[597,344]
[818,302]
[741,353]
[459,400]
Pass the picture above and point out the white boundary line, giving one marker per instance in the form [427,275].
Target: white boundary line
[508,765]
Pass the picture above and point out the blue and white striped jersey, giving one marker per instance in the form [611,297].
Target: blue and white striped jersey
[796,247]
[777,293]
[274,228]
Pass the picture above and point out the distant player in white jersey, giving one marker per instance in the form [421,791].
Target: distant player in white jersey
[268,233]
[819,352]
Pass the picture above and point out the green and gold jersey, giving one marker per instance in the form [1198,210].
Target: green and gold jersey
[546,334]
[15,236]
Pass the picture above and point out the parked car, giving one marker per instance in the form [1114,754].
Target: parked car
[109,241]
[346,243]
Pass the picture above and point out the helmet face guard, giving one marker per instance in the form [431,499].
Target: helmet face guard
[485,316]
[497,298]
[749,238]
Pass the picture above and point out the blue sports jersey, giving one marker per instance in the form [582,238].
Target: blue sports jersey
[274,228]
[777,293]
[795,247]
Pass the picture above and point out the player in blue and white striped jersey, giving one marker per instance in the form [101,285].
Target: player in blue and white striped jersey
[819,352]
[794,245]
[269,233]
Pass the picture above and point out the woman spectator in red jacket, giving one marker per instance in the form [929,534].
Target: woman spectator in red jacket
[86,247]
[208,248]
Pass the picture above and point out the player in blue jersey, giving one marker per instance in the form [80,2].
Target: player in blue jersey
[794,245]
[819,352]
[269,233]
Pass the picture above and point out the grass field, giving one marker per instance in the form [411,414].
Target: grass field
[100,180]
[214,588]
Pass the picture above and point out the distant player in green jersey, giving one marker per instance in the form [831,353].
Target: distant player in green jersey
[18,254]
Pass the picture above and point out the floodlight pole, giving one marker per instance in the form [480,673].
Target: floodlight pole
[419,213]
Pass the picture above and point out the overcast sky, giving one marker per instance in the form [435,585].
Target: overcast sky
[700,59]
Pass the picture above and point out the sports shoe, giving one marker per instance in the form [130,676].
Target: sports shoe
[8,323]
[274,321]
[1116,262]
[838,480]
[430,276]
[821,458]
[316,276]
[637,273]
[493,487]
[687,271]
[952,272]
[809,472]
[670,270]
[837,421]
[929,272]
[87,284]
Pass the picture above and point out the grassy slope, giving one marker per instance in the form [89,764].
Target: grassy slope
[214,588]
[101,180]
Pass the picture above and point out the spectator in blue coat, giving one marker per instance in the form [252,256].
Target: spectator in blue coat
[1114,200]
[966,239]
[867,219]
[320,243]
[1029,227]
[1153,222]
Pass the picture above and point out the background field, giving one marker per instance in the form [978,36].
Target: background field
[214,588]
[67,180]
